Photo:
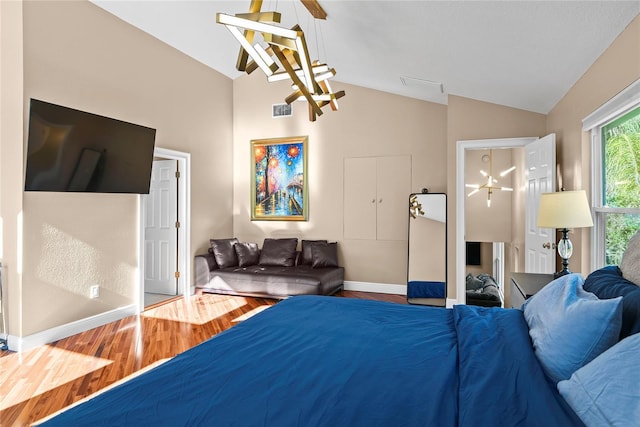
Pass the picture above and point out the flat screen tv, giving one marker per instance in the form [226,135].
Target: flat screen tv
[474,253]
[72,150]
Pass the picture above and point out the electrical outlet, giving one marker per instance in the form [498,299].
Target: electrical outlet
[94,291]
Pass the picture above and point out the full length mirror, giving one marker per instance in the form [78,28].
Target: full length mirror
[427,269]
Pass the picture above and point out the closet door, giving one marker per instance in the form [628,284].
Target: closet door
[375,197]
[360,198]
[393,185]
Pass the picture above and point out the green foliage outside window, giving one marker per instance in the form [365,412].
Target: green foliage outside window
[621,181]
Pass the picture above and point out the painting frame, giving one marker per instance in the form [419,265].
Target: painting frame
[279,180]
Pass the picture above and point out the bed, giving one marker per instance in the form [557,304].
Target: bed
[328,361]
[325,361]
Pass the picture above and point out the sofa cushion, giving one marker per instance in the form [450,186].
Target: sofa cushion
[473,283]
[307,257]
[276,281]
[279,252]
[606,283]
[248,254]
[324,255]
[224,252]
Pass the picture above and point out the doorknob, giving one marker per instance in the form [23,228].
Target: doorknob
[549,245]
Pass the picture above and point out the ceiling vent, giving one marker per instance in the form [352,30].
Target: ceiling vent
[427,84]
[281,110]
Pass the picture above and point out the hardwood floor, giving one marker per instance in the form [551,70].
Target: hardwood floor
[39,382]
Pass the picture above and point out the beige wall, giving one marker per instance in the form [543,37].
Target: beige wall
[614,70]
[11,131]
[369,123]
[77,55]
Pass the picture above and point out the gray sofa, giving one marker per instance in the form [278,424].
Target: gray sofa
[278,270]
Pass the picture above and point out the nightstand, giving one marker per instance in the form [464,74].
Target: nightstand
[525,285]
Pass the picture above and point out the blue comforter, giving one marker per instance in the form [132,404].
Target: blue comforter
[327,361]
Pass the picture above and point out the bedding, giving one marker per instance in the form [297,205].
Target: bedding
[425,289]
[326,361]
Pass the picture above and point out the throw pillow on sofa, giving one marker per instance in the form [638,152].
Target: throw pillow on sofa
[248,254]
[224,253]
[324,255]
[307,257]
[279,252]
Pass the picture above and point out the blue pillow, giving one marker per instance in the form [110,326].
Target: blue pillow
[570,327]
[607,390]
[608,282]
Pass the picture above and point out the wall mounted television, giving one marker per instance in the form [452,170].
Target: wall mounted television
[72,150]
[474,253]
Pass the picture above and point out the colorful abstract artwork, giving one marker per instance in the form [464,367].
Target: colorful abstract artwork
[279,179]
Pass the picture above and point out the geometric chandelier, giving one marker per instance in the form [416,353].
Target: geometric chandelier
[489,185]
[282,54]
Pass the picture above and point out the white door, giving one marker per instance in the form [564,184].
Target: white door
[540,163]
[160,229]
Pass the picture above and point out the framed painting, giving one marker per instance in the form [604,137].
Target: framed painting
[279,189]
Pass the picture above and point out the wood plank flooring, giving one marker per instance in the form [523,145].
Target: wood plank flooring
[39,382]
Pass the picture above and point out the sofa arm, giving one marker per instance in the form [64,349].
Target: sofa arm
[203,264]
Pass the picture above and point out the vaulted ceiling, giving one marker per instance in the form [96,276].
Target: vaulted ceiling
[522,54]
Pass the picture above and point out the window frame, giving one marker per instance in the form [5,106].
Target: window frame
[625,101]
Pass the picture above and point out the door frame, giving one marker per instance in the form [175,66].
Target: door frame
[184,216]
[461,146]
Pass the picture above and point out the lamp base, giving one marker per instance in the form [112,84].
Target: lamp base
[561,273]
[565,250]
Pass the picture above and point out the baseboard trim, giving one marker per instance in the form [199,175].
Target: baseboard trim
[29,342]
[380,288]
[385,288]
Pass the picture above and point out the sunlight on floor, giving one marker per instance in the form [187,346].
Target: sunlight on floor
[115,384]
[63,366]
[197,309]
[251,313]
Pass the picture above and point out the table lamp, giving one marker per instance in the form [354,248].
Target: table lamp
[564,210]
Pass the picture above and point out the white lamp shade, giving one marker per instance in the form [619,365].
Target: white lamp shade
[565,209]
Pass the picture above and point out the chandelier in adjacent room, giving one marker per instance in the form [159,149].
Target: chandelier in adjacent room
[491,183]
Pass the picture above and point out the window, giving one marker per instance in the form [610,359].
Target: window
[615,135]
